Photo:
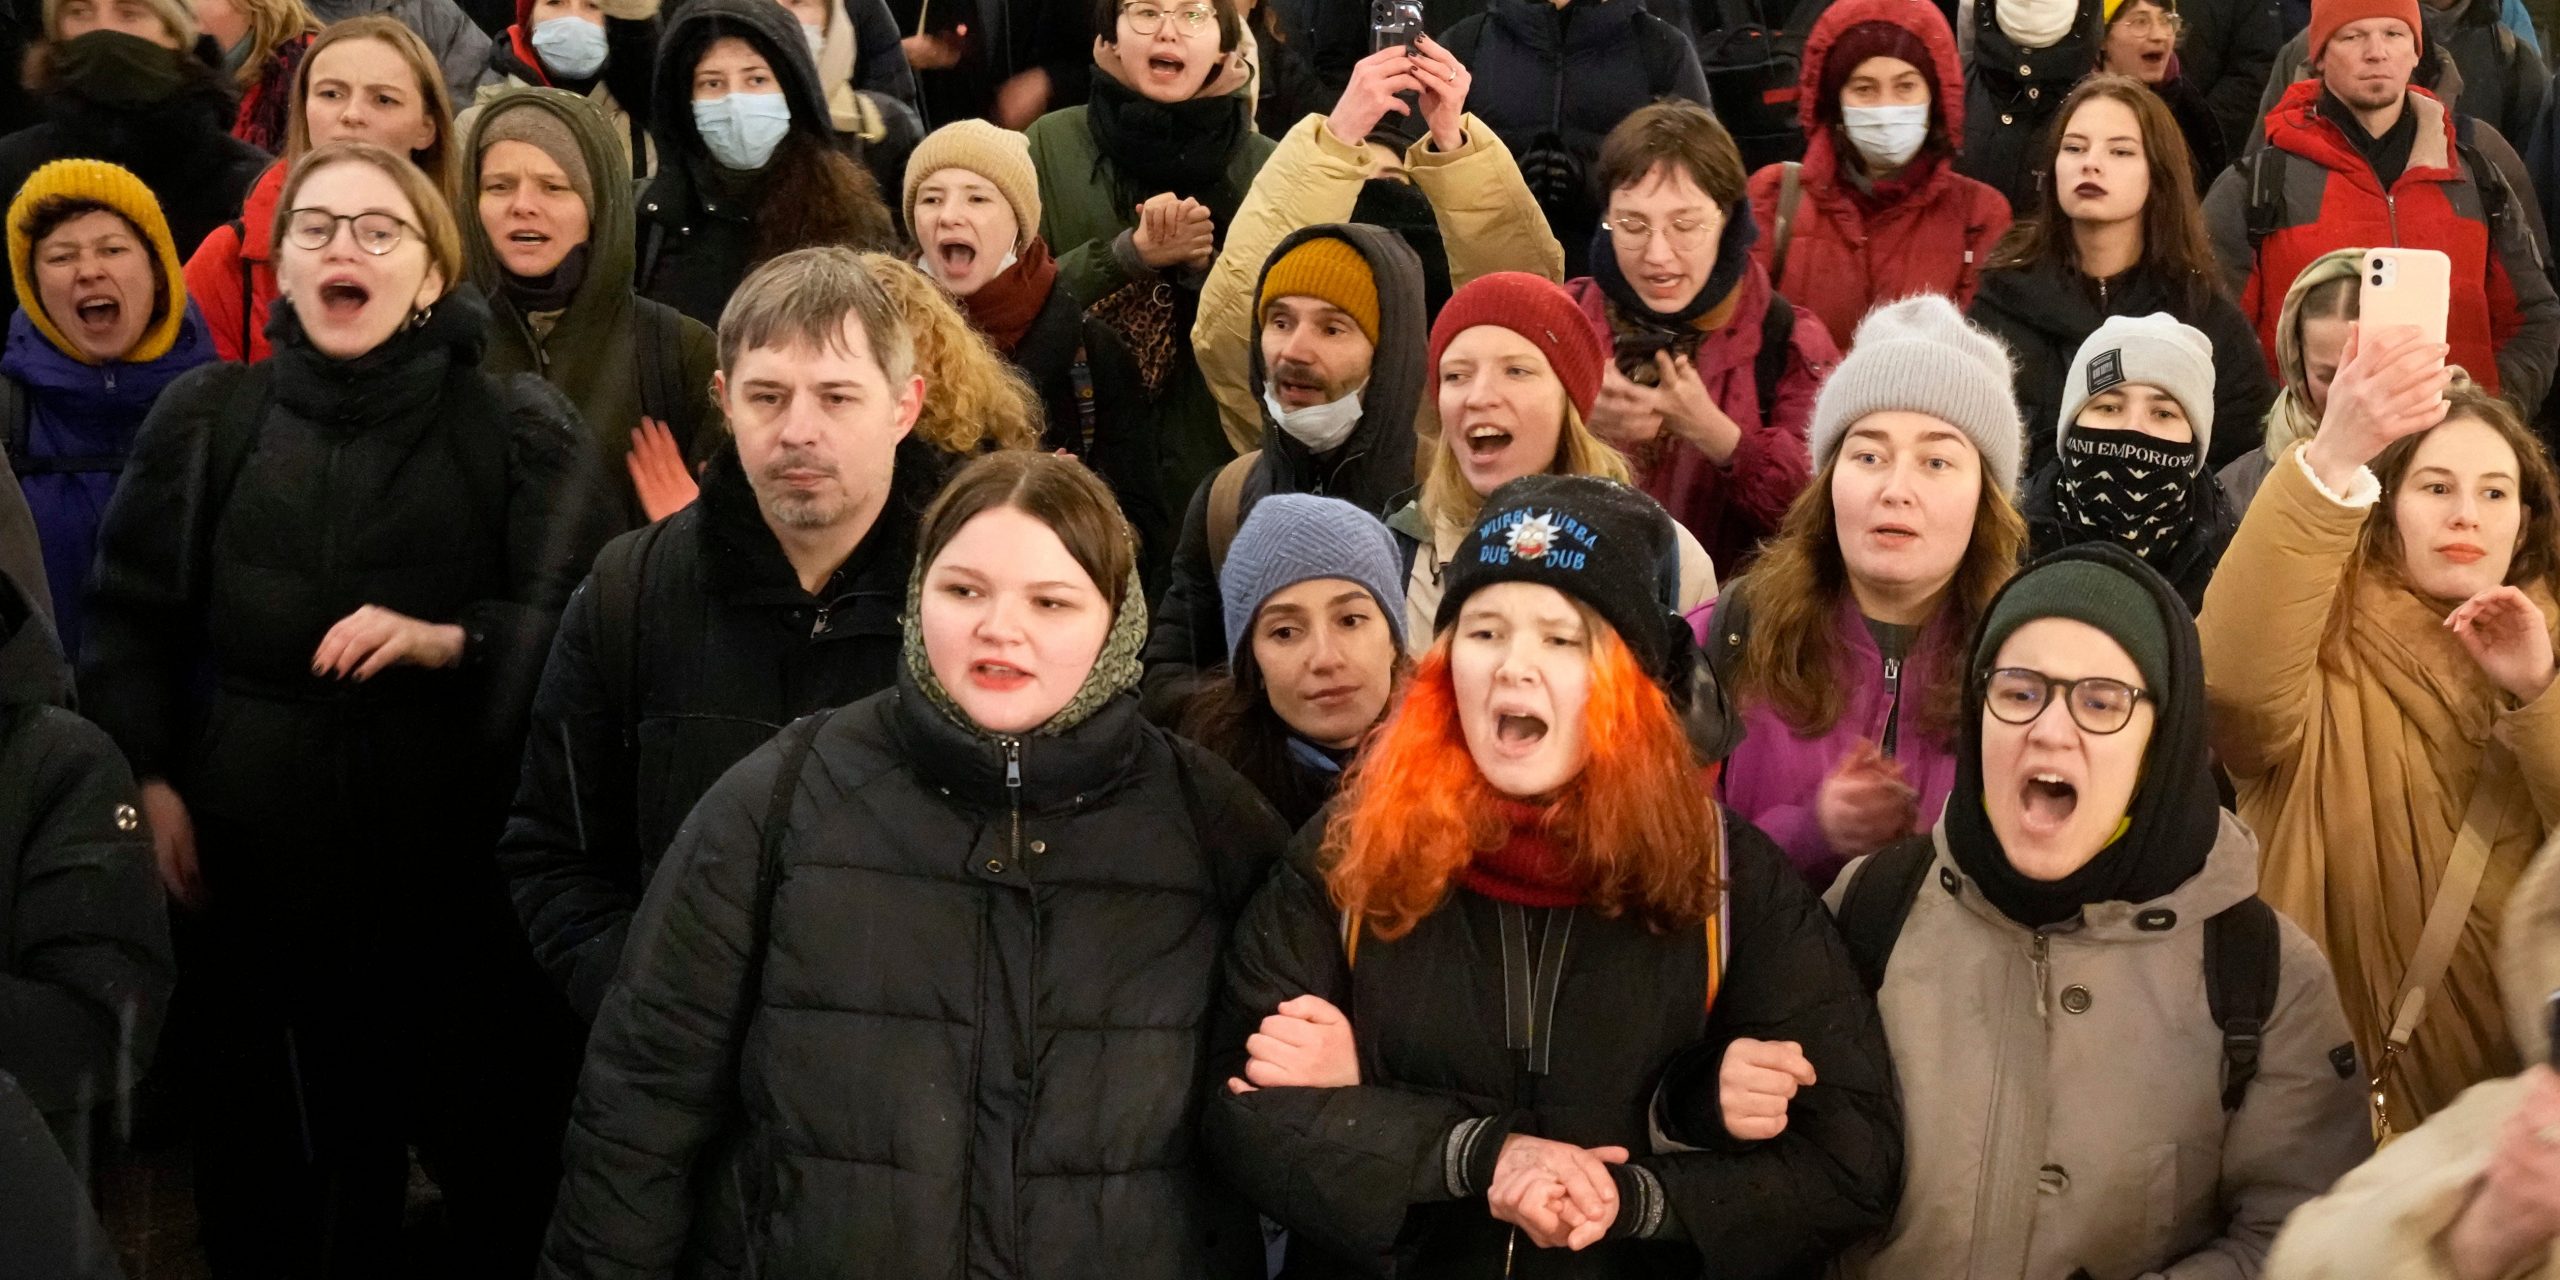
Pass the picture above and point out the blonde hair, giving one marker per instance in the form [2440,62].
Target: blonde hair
[975,400]
[271,23]
[435,218]
[1449,502]
[436,158]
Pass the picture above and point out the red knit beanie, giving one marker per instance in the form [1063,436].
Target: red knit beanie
[1538,309]
[2329,15]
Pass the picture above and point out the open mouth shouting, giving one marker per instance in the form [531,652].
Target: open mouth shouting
[1671,286]
[1297,387]
[996,676]
[97,314]
[956,256]
[1518,733]
[343,298]
[2046,801]
[1167,69]
[1484,443]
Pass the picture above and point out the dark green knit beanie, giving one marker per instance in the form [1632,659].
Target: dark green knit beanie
[2089,591]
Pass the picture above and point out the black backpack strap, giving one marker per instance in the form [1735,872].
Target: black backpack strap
[1728,633]
[1777,339]
[2266,195]
[621,569]
[248,283]
[13,420]
[2243,962]
[1878,901]
[661,355]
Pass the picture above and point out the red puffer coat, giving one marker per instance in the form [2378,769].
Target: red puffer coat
[1927,230]
[231,279]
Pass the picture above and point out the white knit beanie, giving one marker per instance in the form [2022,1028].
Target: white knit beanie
[2153,350]
[1920,356]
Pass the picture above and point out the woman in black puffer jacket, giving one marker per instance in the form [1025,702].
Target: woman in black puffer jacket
[923,987]
[323,593]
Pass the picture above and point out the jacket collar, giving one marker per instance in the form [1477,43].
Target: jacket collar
[1583,24]
[1055,772]
[2230,874]
[741,558]
[2298,126]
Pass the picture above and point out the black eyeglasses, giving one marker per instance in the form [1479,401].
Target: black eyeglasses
[2017,695]
[376,233]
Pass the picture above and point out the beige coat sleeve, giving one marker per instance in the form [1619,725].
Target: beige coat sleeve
[2383,1221]
[1488,220]
[2531,734]
[2266,613]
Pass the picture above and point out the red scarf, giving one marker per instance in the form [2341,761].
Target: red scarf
[1529,867]
[1005,308]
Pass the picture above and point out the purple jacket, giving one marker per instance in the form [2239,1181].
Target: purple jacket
[1774,777]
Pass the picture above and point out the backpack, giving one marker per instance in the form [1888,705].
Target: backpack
[1226,507]
[658,341]
[2267,170]
[2242,952]
[1751,82]
[620,571]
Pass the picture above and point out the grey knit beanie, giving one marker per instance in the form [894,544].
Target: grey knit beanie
[2153,350]
[1289,538]
[1920,356]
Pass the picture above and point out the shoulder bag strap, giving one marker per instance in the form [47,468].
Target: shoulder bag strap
[1790,194]
[2446,917]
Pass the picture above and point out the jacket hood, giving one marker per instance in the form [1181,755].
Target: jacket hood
[609,224]
[2529,952]
[1376,463]
[762,23]
[1919,17]
[258,213]
[32,669]
[2229,874]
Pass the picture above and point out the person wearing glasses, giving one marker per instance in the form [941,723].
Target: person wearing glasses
[323,594]
[2047,990]
[1137,186]
[2378,639]
[2142,39]
[1712,373]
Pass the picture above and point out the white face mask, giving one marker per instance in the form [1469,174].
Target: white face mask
[1320,427]
[740,130]
[817,39]
[1887,136]
[571,47]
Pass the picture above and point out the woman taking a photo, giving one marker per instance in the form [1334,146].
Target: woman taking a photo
[1842,648]
[364,542]
[2117,231]
[2311,335]
[1528,833]
[992,900]
[2378,642]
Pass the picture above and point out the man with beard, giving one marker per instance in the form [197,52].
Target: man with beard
[775,594]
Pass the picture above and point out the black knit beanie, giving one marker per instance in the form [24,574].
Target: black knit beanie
[1598,541]
[2097,593]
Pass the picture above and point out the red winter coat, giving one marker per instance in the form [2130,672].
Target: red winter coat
[1929,230]
[1732,507]
[230,270]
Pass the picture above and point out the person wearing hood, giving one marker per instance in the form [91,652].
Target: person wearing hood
[1514,370]
[1556,78]
[1712,374]
[1691,1079]
[2116,233]
[2129,465]
[365,79]
[457,40]
[103,327]
[602,52]
[322,594]
[797,592]
[1137,189]
[995,897]
[2379,653]
[972,202]
[751,169]
[1876,209]
[2311,337]
[2500,79]
[2470,1194]
[2141,40]
[85,968]
[263,42]
[1314,613]
[2023,58]
[2045,971]
[129,82]
[549,244]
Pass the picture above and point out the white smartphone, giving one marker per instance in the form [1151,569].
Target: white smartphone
[2405,286]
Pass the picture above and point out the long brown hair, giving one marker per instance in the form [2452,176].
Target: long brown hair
[1794,590]
[2174,246]
[436,158]
[1636,823]
[816,195]
[2537,558]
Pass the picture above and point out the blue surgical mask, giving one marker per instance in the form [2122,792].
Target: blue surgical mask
[571,48]
[742,129]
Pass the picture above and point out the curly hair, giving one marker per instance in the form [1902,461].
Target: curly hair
[1637,822]
[974,400]
[1791,661]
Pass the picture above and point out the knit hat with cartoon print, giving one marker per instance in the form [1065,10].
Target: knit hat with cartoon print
[1596,540]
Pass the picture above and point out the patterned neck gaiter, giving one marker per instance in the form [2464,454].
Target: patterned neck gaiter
[2126,488]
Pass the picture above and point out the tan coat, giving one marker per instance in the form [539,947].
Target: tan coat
[2355,742]
[2384,1221]
[1488,222]
[2038,1141]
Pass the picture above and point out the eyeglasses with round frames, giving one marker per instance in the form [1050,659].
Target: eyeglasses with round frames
[2017,695]
[375,233]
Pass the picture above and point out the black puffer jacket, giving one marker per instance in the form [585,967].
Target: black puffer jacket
[2226,52]
[53,1233]
[1047,357]
[264,503]
[1371,470]
[85,968]
[2010,95]
[2045,312]
[617,758]
[1362,1174]
[970,1042]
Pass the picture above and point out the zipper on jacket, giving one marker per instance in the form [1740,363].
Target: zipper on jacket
[2044,972]
[2102,295]
[2391,212]
[1013,789]
[1892,705]
[818,627]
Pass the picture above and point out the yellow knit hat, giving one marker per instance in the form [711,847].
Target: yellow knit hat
[992,152]
[1325,267]
[119,190]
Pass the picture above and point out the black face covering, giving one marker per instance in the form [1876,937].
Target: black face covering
[118,70]
[2127,488]
[2175,816]
[554,292]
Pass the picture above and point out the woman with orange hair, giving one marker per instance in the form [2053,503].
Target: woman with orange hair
[1528,989]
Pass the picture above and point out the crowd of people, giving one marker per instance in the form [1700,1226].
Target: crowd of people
[1280,638]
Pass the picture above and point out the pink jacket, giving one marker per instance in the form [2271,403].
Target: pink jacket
[1774,777]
